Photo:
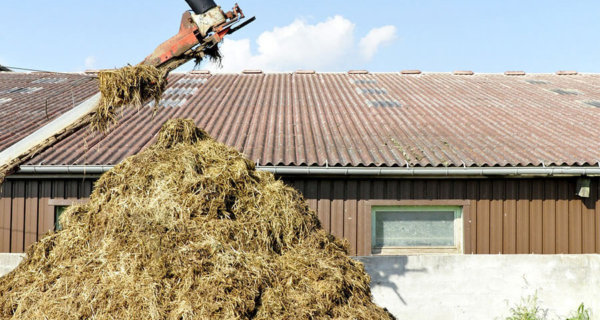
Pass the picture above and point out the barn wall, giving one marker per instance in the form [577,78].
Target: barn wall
[25,212]
[509,216]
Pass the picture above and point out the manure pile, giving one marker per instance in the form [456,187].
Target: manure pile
[188,229]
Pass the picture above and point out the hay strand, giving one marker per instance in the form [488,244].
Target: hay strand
[129,86]
[188,229]
[132,86]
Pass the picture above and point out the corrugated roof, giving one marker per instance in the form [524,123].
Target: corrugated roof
[386,119]
[28,101]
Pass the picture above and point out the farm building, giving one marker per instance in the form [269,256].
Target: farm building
[396,163]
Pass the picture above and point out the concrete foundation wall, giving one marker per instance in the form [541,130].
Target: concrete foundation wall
[483,287]
[471,286]
[9,261]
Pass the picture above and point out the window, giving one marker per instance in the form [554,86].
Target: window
[416,229]
[58,207]
[58,211]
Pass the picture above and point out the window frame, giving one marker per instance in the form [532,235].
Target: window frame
[465,246]
[57,225]
[53,204]
[457,229]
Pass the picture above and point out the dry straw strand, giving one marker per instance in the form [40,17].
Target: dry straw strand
[129,86]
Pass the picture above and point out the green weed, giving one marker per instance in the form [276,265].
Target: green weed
[582,314]
[529,309]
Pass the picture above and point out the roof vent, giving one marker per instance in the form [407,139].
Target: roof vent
[358,72]
[410,72]
[514,73]
[566,92]
[200,72]
[566,73]
[252,72]
[464,73]
[593,103]
[306,72]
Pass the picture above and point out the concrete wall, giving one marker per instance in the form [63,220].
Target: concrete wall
[9,261]
[471,286]
[483,287]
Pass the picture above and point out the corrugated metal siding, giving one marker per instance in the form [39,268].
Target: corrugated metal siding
[508,216]
[25,215]
[540,216]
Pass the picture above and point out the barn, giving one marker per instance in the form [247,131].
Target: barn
[462,191]
[396,163]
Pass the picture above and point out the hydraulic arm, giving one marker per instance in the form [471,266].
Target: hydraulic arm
[201,29]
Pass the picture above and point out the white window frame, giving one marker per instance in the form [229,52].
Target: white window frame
[467,239]
[457,248]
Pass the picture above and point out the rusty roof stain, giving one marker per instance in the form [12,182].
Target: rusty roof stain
[364,119]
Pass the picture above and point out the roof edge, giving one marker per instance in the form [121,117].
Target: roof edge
[558,171]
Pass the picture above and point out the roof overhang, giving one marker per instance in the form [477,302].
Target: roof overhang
[404,172]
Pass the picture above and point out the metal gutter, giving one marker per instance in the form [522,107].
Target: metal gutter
[366,171]
[42,134]
[435,171]
[63,169]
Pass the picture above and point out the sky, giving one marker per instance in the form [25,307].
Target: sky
[537,36]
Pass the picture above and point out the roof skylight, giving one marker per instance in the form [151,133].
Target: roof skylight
[566,92]
[21,90]
[50,80]
[383,103]
[537,81]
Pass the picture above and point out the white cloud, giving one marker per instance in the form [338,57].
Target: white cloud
[325,46]
[90,62]
[375,39]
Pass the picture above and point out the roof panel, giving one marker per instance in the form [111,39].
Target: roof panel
[323,120]
[28,101]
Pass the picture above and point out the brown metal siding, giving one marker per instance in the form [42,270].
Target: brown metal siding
[25,214]
[505,215]
[540,216]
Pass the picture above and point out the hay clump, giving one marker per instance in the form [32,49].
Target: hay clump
[129,86]
[188,229]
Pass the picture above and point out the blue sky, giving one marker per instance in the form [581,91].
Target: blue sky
[332,35]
